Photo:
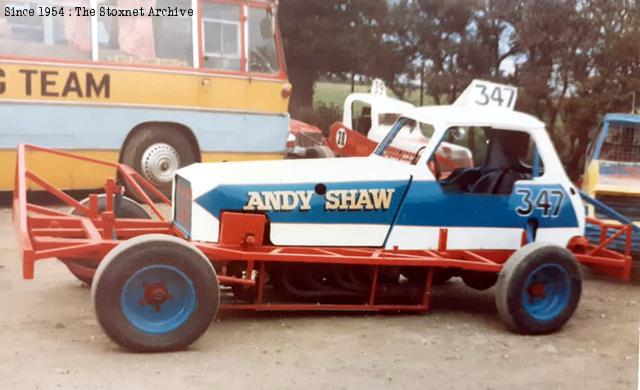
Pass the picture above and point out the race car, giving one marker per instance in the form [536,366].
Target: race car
[306,141]
[367,119]
[366,233]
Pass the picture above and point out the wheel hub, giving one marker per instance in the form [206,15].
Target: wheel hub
[536,290]
[159,163]
[546,292]
[158,298]
[155,294]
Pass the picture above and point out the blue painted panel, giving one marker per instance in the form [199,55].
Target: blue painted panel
[623,118]
[426,204]
[106,127]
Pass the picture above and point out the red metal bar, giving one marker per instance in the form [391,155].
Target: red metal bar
[92,232]
[476,256]
[442,240]
[72,156]
[319,306]
[427,289]
[226,280]
[55,192]
[20,214]
[606,241]
[45,211]
[129,178]
[145,185]
[262,277]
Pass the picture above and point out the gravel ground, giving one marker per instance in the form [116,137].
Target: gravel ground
[49,338]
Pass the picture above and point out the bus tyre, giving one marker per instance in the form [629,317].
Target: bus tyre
[155,293]
[128,208]
[538,289]
[157,153]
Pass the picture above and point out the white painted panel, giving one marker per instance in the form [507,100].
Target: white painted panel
[204,226]
[328,234]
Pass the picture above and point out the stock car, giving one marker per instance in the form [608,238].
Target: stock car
[517,186]
[361,233]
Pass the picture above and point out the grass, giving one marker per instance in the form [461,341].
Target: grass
[335,93]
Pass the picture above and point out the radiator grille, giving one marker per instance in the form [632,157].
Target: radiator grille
[182,205]
[629,206]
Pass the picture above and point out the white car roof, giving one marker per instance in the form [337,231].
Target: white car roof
[473,116]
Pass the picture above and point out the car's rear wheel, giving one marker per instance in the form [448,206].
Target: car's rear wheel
[479,280]
[83,269]
[157,153]
[417,275]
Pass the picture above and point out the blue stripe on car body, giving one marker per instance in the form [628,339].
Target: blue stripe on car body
[425,204]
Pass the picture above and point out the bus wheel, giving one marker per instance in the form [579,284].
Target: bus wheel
[538,288]
[157,154]
[128,208]
[155,293]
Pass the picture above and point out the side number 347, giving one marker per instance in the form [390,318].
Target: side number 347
[547,201]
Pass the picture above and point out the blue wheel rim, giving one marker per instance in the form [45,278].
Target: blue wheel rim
[546,292]
[158,299]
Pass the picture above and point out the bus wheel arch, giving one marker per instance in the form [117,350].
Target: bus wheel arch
[157,149]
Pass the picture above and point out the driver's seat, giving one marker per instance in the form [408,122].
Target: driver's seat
[488,183]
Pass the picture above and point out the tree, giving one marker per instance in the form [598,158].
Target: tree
[321,36]
[573,60]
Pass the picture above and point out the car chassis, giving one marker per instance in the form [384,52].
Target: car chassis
[92,233]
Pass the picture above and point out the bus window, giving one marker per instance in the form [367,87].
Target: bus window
[66,37]
[173,35]
[153,40]
[221,36]
[622,144]
[263,57]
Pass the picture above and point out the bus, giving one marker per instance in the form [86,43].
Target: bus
[154,84]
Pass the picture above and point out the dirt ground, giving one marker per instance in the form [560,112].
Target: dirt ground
[49,338]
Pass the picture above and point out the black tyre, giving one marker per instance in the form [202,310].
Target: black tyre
[442,276]
[538,289]
[126,208]
[318,152]
[155,293]
[479,280]
[157,153]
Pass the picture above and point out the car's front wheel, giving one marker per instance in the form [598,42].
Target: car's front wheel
[155,293]
[538,288]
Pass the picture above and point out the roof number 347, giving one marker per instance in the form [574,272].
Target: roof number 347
[549,202]
[495,95]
